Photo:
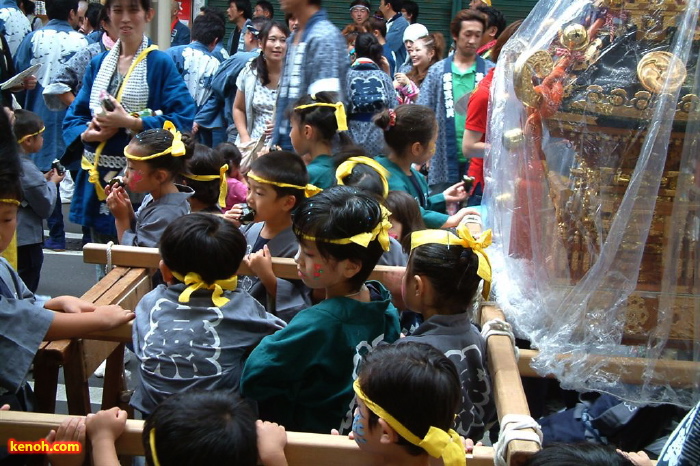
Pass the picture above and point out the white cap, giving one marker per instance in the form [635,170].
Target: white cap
[414,32]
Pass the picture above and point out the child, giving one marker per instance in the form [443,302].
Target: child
[586,454]
[278,182]
[23,323]
[193,428]
[154,158]
[237,189]
[407,395]
[369,91]
[410,132]
[315,121]
[405,215]
[442,278]
[206,175]
[302,375]
[38,198]
[195,331]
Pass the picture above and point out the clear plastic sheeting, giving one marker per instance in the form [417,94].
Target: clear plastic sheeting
[593,194]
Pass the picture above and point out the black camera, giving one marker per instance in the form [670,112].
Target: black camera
[117,182]
[60,169]
[107,104]
[468,182]
[248,214]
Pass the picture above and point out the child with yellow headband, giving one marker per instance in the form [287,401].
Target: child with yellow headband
[154,159]
[442,279]
[302,375]
[315,121]
[40,194]
[278,184]
[407,396]
[24,323]
[196,330]
[206,174]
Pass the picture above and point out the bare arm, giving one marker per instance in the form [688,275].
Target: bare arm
[65,326]
[472,146]
[239,116]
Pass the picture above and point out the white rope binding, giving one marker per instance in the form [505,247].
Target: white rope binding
[515,427]
[500,327]
[108,266]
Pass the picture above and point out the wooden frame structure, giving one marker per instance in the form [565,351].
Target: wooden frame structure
[128,282]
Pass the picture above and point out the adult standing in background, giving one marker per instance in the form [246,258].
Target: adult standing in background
[91,25]
[495,24]
[396,24]
[238,12]
[179,32]
[446,89]
[359,11]
[410,10]
[263,8]
[316,61]
[41,47]
[82,11]
[15,22]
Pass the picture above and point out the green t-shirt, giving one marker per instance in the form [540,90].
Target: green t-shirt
[462,86]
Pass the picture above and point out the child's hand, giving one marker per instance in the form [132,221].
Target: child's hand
[455,193]
[69,304]
[5,407]
[106,425]
[70,430]
[456,219]
[272,439]
[260,262]
[233,215]
[53,176]
[119,204]
[114,316]
[638,459]
[351,435]
[469,444]
[401,79]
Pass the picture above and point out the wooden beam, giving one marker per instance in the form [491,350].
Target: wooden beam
[130,256]
[302,448]
[508,388]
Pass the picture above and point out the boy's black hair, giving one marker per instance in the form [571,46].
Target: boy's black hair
[10,168]
[60,9]
[230,153]
[412,9]
[341,212]
[321,118]
[416,384]
[157,140]
[366,45]
[202,428]
[413,123]
[494,17]
[244,6]
[362,176]
[92,15]
[267,6]
[260,64]
[451,271]
[208,27]
[203,243]
[205,161]
[210,10]
[577,455]
[396,5]
[26,122]
[283,167]
[404,208]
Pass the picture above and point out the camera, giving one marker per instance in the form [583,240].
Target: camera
[107,104]
[117,182]
[468,182]
[247,215]
[60,169]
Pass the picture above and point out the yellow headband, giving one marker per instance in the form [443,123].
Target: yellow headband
[152,443]
[223,185]
[24,138]
[380,232]
[309,190]
[10,201]
[340,118]
[463,238]
[345,169]
[176,149]
[195,282]
[437,442]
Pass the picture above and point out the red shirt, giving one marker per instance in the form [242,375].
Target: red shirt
[477,120]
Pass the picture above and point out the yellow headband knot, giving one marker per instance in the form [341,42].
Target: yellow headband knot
[345,169]
[10,201]
[24,138]
[309,190]
[340,118]
[176,149]
[463,238]
[223,185]
[437,442]
[194,282]
[380,232]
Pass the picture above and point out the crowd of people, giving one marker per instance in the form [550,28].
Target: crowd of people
[286,139]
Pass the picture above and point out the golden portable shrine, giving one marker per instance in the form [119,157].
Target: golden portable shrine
[595,189]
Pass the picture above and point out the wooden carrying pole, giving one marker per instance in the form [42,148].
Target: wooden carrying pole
[302,448]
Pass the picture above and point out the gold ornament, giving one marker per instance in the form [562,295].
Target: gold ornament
[513,139]
[536,65]
[655,69]
[574,37]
